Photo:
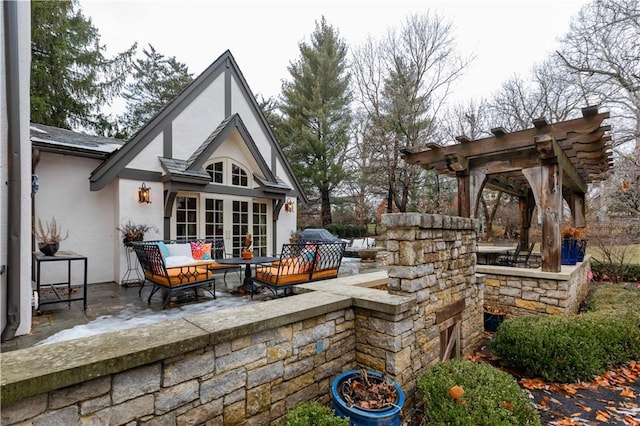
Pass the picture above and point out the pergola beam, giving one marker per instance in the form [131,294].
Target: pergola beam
[549,149]
[508,143]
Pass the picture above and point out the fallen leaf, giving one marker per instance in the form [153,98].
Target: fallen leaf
[456,392]
[602,416]
[628,393]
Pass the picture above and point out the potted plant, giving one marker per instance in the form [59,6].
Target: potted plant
[367,398]
[247,252]
[133,232]
[581,241]
[49,236]
[569,248]
[493,317]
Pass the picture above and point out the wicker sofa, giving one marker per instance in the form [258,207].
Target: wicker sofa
[176,266]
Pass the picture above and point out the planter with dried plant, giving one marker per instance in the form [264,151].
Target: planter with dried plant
[49,236]
[367,398]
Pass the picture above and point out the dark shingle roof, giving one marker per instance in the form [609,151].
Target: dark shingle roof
[69,142]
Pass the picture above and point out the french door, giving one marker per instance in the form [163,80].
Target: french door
[213,216]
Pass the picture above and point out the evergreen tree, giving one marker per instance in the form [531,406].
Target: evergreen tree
[316,114]
[71,79]
[157,81]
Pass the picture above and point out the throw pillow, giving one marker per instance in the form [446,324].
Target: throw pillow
[163,249]
[179,249]
[201,251]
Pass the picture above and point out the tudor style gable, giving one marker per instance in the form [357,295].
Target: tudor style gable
[204,111]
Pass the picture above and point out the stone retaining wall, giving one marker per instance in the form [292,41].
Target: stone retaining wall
[522,291]
[248,365]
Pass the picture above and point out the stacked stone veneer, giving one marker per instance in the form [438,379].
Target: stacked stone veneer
[432,258]
[521,291]
[248,365]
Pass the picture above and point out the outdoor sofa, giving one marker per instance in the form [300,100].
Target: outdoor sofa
[300,263]
[175,266]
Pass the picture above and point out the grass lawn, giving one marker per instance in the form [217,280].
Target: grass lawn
[631,252]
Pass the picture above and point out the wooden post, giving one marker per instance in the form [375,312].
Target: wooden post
[476,184]
[577,207]
[464,202]
[526,205]
[546,184]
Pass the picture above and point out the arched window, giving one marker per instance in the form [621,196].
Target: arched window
[238,176]
[216,171]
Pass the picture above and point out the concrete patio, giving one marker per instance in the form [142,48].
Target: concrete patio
[111,307]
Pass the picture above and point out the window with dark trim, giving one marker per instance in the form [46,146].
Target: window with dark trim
[216,172]
[238,176]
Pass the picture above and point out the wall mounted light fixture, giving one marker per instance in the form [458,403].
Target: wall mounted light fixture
[144,195]
[288,206]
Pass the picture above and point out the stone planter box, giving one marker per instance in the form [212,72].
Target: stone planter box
[368,254]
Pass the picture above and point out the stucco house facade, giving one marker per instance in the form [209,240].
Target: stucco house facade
[211,164]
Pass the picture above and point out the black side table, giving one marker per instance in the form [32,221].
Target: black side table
[61,256]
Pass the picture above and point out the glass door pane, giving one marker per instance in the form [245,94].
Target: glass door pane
[186,218]
[260,229]
[214,218]
[240,225]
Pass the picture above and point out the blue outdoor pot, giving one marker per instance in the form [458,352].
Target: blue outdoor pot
[569,252]
[364,417]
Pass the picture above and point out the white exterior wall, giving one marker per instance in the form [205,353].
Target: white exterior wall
[148,157]
[130,209]
[198,120]
[24,65]
[87,215]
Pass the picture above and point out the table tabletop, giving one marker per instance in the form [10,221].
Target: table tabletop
[60,255]
[242,261]
[493,249]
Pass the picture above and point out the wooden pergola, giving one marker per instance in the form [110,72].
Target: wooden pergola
[541,166]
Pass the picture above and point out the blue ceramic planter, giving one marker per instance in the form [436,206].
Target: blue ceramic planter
[362,417]
[569,252]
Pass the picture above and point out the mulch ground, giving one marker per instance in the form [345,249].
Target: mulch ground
[610,399]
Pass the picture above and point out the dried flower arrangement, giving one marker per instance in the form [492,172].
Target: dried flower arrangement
[50,232]
[133,232]
[570,232]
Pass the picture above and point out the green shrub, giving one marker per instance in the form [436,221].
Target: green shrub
[575,347]
[491,397]
[609,271]
[312,413]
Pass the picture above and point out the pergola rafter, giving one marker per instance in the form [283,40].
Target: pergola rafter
[540,165]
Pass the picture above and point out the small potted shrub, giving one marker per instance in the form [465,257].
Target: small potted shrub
[132,232]
[49,236]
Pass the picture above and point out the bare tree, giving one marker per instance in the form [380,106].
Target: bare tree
[602,48]
[402,82]
[548,93]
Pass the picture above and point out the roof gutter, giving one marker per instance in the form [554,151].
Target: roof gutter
[14,168]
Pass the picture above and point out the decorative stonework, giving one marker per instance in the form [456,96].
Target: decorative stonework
[251,364]
[521,291]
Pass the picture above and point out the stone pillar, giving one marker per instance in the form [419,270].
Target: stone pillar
[432,258]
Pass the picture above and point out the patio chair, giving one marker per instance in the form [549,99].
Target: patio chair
[510,259]
[523,260]
[218,252]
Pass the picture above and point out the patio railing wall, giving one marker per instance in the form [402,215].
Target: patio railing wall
[250,364]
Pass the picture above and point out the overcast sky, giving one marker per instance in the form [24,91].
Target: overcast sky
[507,37]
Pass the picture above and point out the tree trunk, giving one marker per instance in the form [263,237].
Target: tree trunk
[325,209]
